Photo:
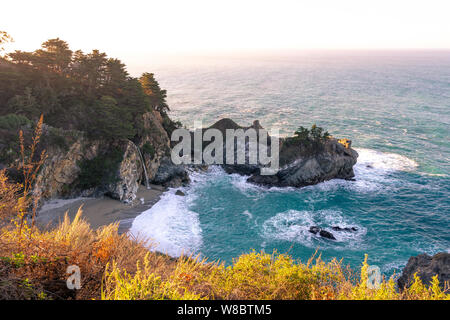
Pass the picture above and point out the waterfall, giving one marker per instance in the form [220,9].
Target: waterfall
[147,184]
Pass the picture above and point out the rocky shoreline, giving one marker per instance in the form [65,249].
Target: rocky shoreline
[68,170]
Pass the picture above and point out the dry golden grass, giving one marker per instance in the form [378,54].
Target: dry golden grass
[258,276]
[9,193]
[43,257]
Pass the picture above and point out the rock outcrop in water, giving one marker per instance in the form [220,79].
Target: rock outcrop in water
[300,165]
[426,268]
[171,175]
[334,161]
[321,232]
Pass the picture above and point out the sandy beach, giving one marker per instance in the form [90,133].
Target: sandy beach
[99,211]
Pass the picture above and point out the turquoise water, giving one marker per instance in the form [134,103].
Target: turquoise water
[394,106]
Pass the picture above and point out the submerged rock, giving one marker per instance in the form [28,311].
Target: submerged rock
[326,234]
[321,232]
[349,229]
[314,229]
[426,267]
[171,175]
[180,193]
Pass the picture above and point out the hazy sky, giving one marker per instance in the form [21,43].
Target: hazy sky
[133,29]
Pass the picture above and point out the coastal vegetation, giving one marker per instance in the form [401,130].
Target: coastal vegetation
[98,119]
[311,140]
[89,92]
[314,135]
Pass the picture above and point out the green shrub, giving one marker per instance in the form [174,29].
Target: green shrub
[258,276]
[316,134]
[312,140]
[13,121]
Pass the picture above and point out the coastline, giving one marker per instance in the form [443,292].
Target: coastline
[99,211]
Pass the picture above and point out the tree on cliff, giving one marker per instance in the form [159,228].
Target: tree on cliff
[314,135]
[156,96]
[4,38]
[75,90]
[309,140]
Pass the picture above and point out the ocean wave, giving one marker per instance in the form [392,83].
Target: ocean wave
[170,226]
[384,161]
[201,177]
[293,226]
[440,175]
[394,268]
[373,172]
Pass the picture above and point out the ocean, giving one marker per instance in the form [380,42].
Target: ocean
[393,105]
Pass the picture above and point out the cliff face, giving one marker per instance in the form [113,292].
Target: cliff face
[79,166]
[426,267]
[128,175]
[61,167]
[156,137]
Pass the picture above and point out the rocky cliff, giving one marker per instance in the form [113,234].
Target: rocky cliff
[82,166]
[331,161]
[426,267]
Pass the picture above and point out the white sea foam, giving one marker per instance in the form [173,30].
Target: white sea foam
[170,226]
[395,266]
[248,214]
[199,177]
[384,161]
[374,168]
[441,175]
[240,182]
[293,226]
[372,172]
